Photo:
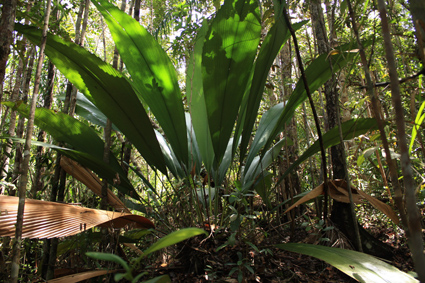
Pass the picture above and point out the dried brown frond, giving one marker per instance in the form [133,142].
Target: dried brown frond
[43,219]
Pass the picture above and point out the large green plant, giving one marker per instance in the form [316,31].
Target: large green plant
[224,86]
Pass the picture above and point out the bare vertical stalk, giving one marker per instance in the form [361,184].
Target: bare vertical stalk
[398,194]
[27,154]
[415,240]
[6,27]
[310,99]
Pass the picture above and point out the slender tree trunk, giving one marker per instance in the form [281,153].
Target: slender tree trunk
[7,24]
[21,123]
[12,118]
[38,182]
[398,198]
[27,153]
[59,179]
[415,240]
[417,10]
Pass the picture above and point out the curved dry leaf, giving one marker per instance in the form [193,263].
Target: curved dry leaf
[78,277]
[383,207]
[92,182]
[311,195]
[44,219]
[338,191]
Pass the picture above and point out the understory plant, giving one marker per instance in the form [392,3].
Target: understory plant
[225,78]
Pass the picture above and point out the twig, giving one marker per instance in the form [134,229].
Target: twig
[403,80]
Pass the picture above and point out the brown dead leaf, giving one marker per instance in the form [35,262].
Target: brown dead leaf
[338,191]
[92,182]
[44,219]
[311,195]
[78,277]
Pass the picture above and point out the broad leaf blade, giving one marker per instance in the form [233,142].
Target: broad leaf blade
[265,128]
[104,170]
[87,110]
[107,88]
[276,37]
[45,219]
[174,238]
[360,266]
[66,129]
[317,73]
[196,99]
[227,59]
[350,129]
[152,74]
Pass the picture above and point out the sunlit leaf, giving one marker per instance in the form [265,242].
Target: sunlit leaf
[360,266]
[174,238]
[227,59]
[196,100]
[152,74]
[106,88]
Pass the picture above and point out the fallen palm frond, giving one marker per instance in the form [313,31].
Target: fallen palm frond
[338,191]
[43,219]
[92,182]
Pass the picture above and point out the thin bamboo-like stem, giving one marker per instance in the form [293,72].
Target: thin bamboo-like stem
[310,99]
[415,240]
[398,194]
[27,154]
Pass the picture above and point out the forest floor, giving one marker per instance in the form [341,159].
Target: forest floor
[198,260]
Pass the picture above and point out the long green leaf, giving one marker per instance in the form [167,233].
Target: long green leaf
[418,122]
[228,55]
[87,110]
[174,238]
[276,37]
[195,158]
[66,129]
[360,266]
[109,257]
[265,128]
[97,165]
[196,100]
[317,73]
[350,129]
[152,74]
[107,88]
[260,164]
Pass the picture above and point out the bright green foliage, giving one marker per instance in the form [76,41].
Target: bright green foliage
[107,88]
[152,74]
[350,129]
[224,86]
[227,59]
[360,266]
[87,146]
[169,240]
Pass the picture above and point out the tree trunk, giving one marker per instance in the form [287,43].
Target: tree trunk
[342,214]
[7,24]
[417,9]
[23,180]
[38,182]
